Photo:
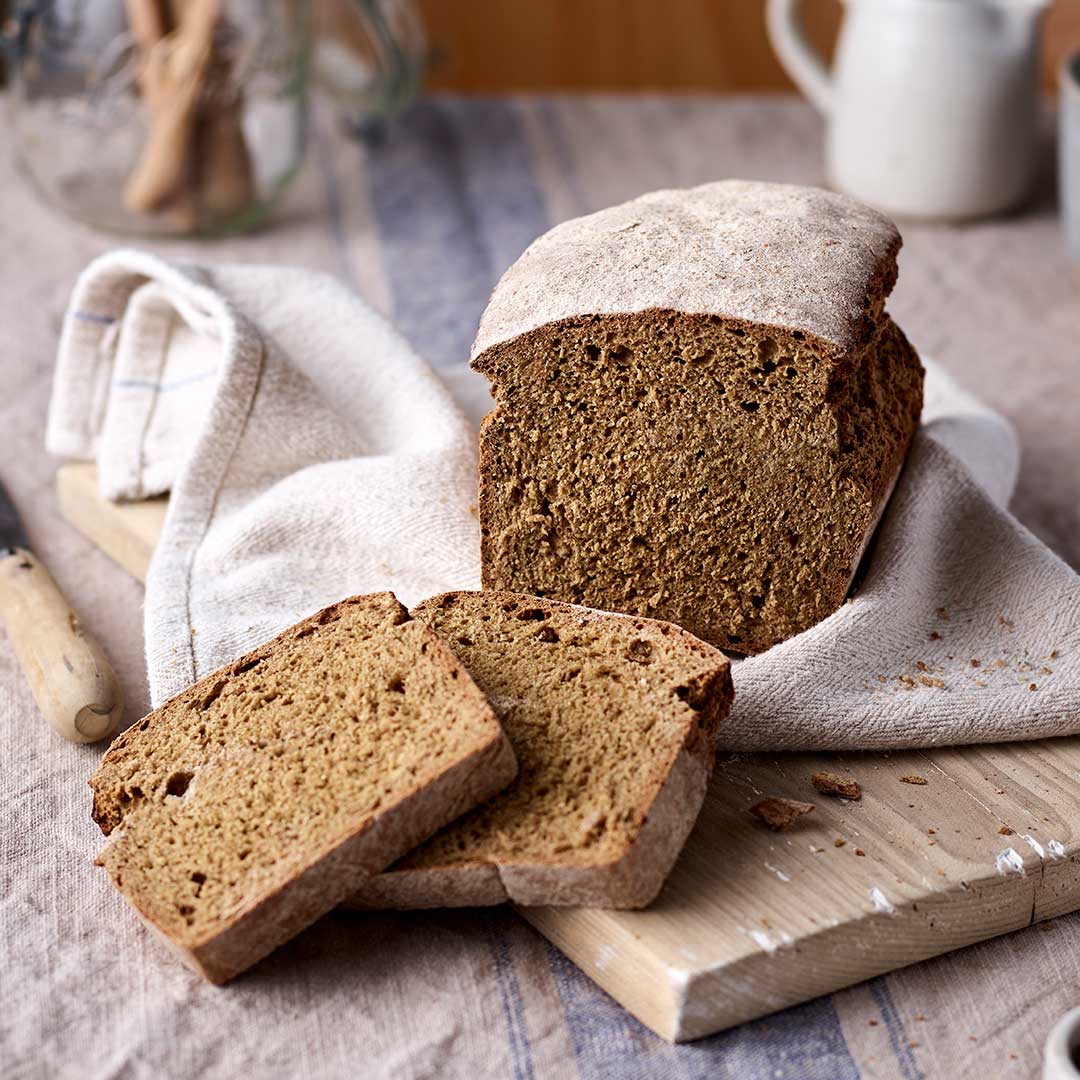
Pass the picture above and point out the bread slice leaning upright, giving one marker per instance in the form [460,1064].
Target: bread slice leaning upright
[251,804]
[612,719]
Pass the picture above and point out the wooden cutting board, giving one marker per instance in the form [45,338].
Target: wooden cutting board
[986,840]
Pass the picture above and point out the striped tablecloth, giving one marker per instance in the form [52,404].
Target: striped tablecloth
[422,224]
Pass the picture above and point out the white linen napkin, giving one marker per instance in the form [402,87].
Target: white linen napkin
[310,455]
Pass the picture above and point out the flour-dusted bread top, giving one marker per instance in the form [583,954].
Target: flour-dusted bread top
[777,254]
[243,809]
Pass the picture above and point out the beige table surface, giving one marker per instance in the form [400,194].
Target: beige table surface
[83,991]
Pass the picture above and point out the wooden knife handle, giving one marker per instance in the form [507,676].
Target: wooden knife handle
[73,684]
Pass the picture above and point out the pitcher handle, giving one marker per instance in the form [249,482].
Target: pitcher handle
[784,22]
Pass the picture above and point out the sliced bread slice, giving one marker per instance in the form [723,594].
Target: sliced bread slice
[612,719]
[249,805]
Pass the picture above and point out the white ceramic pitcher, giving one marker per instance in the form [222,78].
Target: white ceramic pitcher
[932,106]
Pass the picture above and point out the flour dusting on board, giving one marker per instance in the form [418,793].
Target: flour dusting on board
[1034,845]
[881,902]
[778,872]
[1055,849]
[1009,862]
[604,955]
[759,937]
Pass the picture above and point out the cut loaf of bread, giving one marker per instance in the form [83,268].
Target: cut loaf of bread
[701,408]
[612,720]
[249,805]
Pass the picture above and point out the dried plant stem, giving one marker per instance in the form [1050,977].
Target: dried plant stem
[195,158]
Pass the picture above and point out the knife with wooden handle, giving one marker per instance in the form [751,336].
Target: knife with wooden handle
[75,687]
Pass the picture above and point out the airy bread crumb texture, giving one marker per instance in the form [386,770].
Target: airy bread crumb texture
[237,788]
[598,708]
[719,474]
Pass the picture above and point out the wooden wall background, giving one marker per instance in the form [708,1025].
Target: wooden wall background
[489,46]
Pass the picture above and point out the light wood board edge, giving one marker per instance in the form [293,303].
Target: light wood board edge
[792,916]
[126,532]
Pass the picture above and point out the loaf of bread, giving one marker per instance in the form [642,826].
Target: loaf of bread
[248,806]
[612,720]
[701,408]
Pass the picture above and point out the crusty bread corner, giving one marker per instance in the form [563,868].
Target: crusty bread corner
[306,733]
[635,875]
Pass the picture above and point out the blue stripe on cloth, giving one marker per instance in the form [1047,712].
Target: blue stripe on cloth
[93,317]
[456,201]
[164,387]
[504,198]
[548,112]
[805,1042]
[898,1037]
[510,995]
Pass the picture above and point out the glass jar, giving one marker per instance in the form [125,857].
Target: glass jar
[370,58]
[160,116]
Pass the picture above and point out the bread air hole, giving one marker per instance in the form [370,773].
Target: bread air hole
[213,695]
[693,696]
[178,783]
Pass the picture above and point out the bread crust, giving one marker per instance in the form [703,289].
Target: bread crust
[767,254]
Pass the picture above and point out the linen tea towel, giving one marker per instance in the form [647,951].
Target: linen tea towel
[310,454]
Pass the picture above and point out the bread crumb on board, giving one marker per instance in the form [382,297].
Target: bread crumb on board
[843,787]
[911,778]
[779,814]
[1005,831]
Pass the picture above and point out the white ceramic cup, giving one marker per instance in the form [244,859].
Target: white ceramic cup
[931,108]
[1063,1048]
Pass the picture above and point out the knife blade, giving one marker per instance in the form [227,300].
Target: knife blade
[73,683]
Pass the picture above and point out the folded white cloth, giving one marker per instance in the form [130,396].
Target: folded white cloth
[310,454]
